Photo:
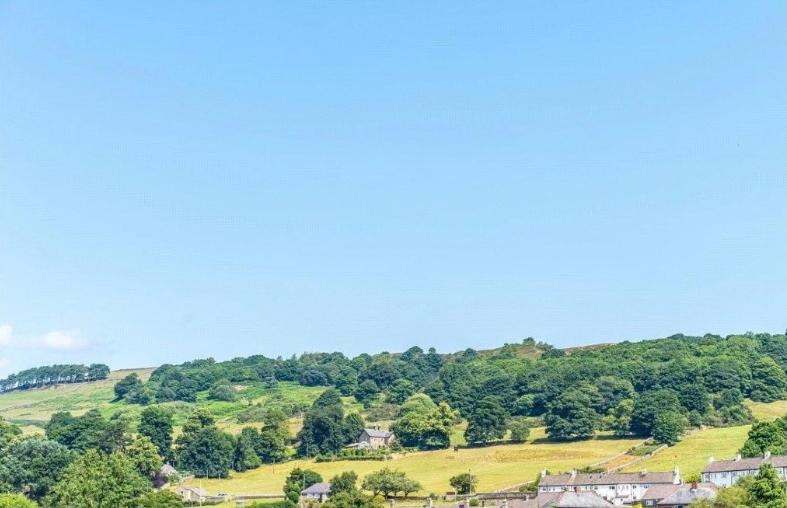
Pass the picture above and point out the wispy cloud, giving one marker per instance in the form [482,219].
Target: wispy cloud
[54,339]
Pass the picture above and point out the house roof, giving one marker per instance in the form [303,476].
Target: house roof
[168,470]
[317,489]
[606,479]
[687,494]
[659,492]
[719,466]
[378,433]
[573,500]
[195,490]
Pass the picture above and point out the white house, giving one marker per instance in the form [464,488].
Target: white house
[617,488]
[724,473]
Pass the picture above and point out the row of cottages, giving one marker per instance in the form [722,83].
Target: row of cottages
[617,488]
[724,473]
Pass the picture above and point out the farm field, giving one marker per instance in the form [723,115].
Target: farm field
[767,411]
[692,452]
[497,467]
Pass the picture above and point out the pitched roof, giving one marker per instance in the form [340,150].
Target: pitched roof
[196,490]
[659,492]
[607,478]
[168,470]
[378,433]
[317,489]
[718,466]
[574,500]
[687,494]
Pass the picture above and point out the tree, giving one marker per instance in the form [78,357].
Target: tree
[464,483]
[344,482]
[765,436]
[89,431]
[33,466]
[245,456]
[145,457]
[125,385]
[767,490]
[487,422]
[524,404]
[768,380]
[612,391]
[223,391]
[423,424]
[353,427]
[520,430]
[668,427]
[160,499]
[298,480]
[648,406]
[16,501]
[366,392]
[98,480]
[400,390]
[571,416]
[8,434]
[389,482]
[272,443]
[156,423]
[203,449]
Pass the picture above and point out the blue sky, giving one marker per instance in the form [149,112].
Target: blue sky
[191,179]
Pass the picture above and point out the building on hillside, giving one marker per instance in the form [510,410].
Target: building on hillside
[192,494]
[317,492]
[165,474]
[677,496]
[617,488]
[724,473]
[374,439]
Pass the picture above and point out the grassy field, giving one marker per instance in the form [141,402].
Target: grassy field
[692,453]
[496,466]
[32,408]
[767,411]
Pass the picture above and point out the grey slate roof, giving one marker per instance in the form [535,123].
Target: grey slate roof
[574,500]
[378,433]
[317,489]
[606,479]
[687,494]
[719,466]
[659,492]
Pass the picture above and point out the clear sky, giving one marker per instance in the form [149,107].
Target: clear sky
[192,179]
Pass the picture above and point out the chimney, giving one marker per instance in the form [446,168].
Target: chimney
[711,459]
[643,472]
[543,473]
[738,457]
[573,474]
[693,486]
[767,455]
[676,475]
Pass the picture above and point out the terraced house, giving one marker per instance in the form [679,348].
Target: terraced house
[617,488]
[724,473]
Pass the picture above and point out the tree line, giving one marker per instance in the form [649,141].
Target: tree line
[654,388]
[39,377]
